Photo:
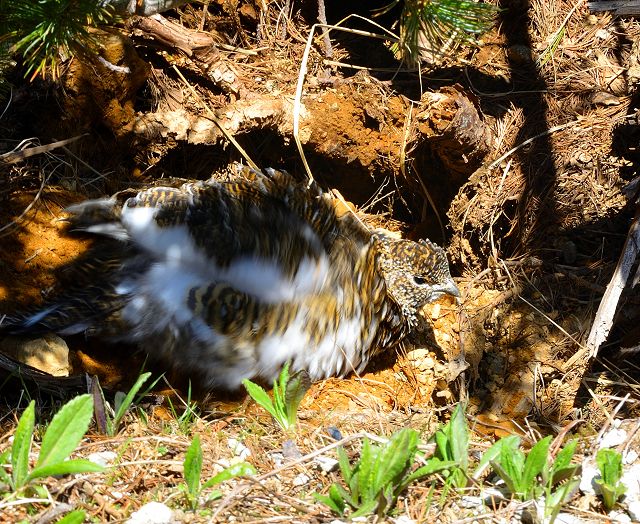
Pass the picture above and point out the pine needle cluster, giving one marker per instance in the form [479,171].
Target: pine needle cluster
[42,32]
[433,28]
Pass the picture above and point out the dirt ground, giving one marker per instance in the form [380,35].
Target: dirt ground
[530,194]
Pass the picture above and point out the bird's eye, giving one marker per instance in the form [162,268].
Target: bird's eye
[419,280]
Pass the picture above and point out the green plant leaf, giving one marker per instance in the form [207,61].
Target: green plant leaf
[562,468]
[537,460]
[295,390]
[193,469]
[459,436]
[123,404]
[65,431]
[21,447]
[65,467]
[609,463]
[241,469]
[394,458]
[367,507]
[555,499]
[433,465]
[4,459]
[260,396]
[345,466]
[365,473]
[509,467]
[73,517]
[336,505]
[512,443]
[564,456]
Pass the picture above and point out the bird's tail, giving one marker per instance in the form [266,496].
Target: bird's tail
[81,310]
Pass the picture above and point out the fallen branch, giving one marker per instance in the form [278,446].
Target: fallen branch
[17,156]
[606,311]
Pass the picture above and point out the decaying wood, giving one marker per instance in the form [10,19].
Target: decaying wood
[607,309]
[619,7]
[239,117]
[25,376]
[453,125]
[199,46]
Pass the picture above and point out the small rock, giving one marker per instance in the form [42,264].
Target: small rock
[589,473]
[520,54]
[612,438]
[633,508]
[48,353]
[470,502]
[334,433]
[630,457]
[152,513]
[327,464]
[290,451]
[301,480]
[238,448]
[619,517]
[630,478]
[278,459]
[103,458]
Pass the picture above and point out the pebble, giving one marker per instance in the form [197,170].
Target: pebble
[589,474]
[619,517]
[152,513]
[612,438]
[301,480]
[290,450]
[327,464]
[238,448]
[633,508]
[103,458]
[48,353]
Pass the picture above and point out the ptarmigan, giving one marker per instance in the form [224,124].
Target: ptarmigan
[229,280]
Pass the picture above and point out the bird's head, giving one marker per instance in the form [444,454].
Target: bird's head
[415,273]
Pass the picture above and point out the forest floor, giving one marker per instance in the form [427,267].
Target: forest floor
[513,154]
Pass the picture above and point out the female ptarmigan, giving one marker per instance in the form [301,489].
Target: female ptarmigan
[229,280]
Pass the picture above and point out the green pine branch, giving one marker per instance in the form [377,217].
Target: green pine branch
[439,26]
[40,32]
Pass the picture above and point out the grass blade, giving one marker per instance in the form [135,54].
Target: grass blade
[21,447]
[193,468]
[124,404]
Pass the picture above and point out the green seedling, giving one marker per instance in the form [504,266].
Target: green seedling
[109,419]
[193,486]
[528,477]
[288,391]
[380,475]
[609,463]
[452,445]
[185,419]
[63,435]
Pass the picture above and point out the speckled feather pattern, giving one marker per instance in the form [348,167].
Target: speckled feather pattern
[229,280]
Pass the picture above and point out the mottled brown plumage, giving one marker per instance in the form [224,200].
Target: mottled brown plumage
[229,280]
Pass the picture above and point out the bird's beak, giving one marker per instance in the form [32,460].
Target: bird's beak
[449,287]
